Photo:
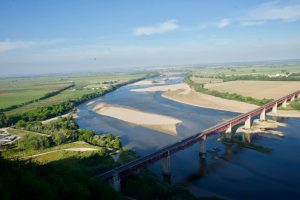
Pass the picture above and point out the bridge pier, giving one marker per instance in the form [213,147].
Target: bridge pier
[228,132]
[293,98]
[203,147]
[166,165]
[262,116]
[116,182]
[274,109]
[284,104]
[248,123]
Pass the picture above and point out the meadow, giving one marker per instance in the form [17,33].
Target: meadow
[20,90]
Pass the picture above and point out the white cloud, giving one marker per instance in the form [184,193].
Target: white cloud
[163,27]
[272,11]
[13,45]
[223,23]
[9,45]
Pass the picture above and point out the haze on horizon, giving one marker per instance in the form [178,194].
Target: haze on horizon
[71,36]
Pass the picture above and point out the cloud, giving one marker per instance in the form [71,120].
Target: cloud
[9,45]
[223,23]
[163,27]
[13,45]
[272,11]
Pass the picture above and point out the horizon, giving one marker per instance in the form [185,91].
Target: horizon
[63,37]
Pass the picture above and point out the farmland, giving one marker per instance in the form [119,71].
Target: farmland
[267,89]
[32,88]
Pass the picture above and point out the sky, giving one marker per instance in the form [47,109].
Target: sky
[54,36]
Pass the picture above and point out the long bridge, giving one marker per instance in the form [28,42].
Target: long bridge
[115,175]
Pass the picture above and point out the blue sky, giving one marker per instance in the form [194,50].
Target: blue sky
[70,36]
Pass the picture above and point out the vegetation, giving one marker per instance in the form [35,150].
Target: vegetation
[291,77]
[47,95]
[199,87]
[21,180]
[53,110]
[151,187]
[295,105]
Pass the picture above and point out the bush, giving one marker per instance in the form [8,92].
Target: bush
[36,142]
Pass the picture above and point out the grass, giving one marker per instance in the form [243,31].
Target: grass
[249,70]
[18,91]
[60,155]
[83,85]
[21,133]
[14,153]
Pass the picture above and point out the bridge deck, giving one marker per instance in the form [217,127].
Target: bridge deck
[180,145]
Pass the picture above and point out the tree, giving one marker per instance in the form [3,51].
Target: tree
[36,142]
[86,135]
[58,137]
[3,120]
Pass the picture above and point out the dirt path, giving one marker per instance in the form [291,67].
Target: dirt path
[68,149]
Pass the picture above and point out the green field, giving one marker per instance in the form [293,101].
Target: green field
[18,91]
[32,88]
[248,70]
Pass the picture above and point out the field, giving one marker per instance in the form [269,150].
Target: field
[257,89]
[249,70]
[17,91]
[84,84]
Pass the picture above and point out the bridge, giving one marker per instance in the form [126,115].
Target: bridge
[115,175]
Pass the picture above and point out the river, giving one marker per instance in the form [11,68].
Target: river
[228,171]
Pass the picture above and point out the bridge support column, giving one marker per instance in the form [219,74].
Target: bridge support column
[284,103]
[262,116]
[274,109]
[293,98]
[166,165]
[248,123]
[228,132]
[116,182]
[203,147]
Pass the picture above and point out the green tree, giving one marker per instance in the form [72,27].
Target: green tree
[3,120]
[36,142]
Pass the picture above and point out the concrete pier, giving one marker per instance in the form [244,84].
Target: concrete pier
[293,98]
[203,147]
[248,123]
[262,116]
[116,182]
[228,132]
[284,104]
[166,161]
[274,109]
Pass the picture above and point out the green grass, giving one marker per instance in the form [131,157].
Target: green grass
[21,133]
[60,155]
[83,85]
[248,70]
[14,153]
[18,91]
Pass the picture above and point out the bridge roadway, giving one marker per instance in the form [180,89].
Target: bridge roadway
[128,168]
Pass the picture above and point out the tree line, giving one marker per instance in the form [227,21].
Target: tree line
[61,131]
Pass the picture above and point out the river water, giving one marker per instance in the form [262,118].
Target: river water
[228,171]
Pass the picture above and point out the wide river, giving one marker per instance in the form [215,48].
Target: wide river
[228,171]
